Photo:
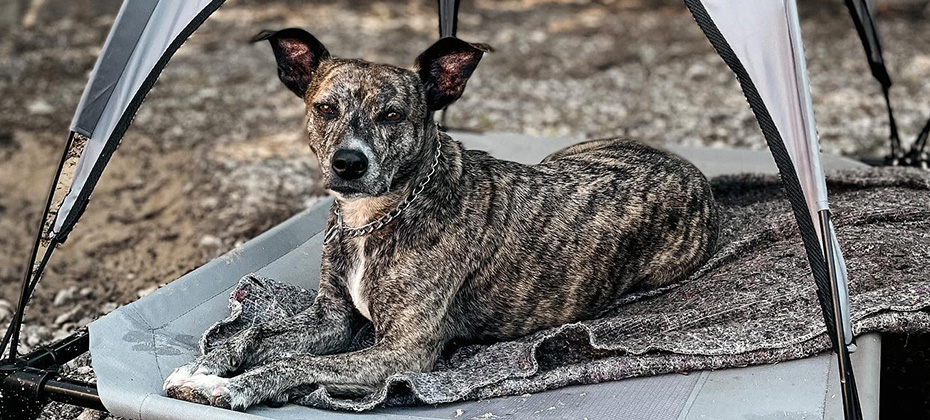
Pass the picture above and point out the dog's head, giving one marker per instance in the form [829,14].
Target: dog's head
[369,124]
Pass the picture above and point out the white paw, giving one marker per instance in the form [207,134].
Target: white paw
[196,387]
[181,375]
[205,389]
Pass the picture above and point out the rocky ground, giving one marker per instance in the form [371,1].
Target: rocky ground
[216,156]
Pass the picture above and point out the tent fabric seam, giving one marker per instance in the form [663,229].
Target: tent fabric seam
[224,290]
[152,331]
[795,61]
[82,132]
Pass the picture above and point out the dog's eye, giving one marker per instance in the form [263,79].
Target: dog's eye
[392,116]
[328,111]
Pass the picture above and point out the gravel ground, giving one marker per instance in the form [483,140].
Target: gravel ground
[215,156]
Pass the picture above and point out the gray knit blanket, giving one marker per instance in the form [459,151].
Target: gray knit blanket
[754,302]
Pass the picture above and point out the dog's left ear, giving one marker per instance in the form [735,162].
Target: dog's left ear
[445,68]
[298,54]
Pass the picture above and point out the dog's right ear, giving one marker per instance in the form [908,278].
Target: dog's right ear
[298,55]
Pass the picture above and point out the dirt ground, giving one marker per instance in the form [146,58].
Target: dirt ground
[216,154]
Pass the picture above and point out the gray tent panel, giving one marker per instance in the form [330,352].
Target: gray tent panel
[764,36]
[121,42]
[136,48]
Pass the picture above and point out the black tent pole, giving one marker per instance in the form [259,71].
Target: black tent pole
[448,26]
[31,277]
[848,388]
[448,17]
[868,33]
[897,151]
[918,154]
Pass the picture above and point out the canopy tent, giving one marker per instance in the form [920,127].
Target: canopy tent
[760,41]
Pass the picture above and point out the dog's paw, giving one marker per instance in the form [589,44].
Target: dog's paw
[183,374]
[231,397]
[179,377]
[214,363]
[207,389]
[196,388]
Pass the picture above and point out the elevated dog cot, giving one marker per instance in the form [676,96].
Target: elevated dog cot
[145,340]
[760,41]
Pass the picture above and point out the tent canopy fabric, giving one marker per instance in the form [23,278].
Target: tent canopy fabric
[143,38]
[779,72]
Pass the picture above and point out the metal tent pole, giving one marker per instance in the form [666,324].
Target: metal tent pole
[851,403]
[33,380]
[861,13]
[33,272]
[448,26]
[448,17]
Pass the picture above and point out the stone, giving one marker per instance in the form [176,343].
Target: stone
[40,107]
[68,316]
[211,241]
[147,291]
[91,414]
[65,295]
[108,307]
[6,310]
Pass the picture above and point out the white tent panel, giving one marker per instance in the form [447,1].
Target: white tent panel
[766,36]
[119,74]
[760,34]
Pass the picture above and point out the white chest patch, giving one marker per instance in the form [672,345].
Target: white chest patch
[354,280]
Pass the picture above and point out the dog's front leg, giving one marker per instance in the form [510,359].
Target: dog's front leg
[409,314]
[326,327]
[355,373]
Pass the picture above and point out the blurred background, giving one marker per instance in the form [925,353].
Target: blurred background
[216,154]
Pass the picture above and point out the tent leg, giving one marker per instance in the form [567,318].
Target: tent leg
[30,276]
[847,379]
[918,155]
[33,380]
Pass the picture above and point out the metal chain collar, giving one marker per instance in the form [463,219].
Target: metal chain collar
[340,229]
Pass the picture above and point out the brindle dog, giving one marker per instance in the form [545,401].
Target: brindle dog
[459,246]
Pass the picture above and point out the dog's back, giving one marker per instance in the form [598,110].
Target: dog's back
[563,239]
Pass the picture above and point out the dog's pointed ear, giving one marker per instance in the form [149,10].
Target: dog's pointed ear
[445,68]
[298,55]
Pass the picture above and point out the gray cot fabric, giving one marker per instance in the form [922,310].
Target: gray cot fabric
[753,303]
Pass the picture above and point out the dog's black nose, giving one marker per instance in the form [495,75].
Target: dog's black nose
[349,164]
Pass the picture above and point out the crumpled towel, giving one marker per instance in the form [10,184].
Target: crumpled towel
[754,302]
